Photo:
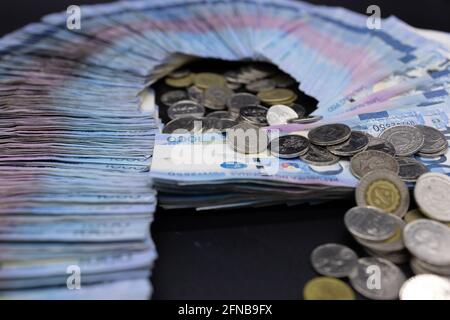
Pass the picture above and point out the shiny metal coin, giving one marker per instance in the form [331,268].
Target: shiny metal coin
[426,287]
[299,109]
[289,146]
[247,139]
[432,192]
[185,108]
[430,268]
[171,97]
[260,85]
[221,115]
[280,114]
[319,156]
[196,94]
[308,119]
[370,160]
[216,97]
[240,100]
[334,260]
[370,223]
[329,134]
[380,145]
[396,257]
[183,125]
[356,143]
[407,140]
[256,115]
[410,169]
[434,140]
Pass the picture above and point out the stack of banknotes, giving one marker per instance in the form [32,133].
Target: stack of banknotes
[79,129]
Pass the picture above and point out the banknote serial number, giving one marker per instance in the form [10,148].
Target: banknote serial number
[383,126]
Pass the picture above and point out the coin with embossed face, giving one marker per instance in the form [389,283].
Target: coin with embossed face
[334,260]
[434,140]
[369,160]
[407,140]
[410,169]
[319,156]
[385,190]
[289,146]
[256,115]
[329,134]
[327,288]
[185,108]
[280,114]
[432,195]
[356,143]
[240,100]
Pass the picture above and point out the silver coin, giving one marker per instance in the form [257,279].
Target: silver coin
[289,146]
[233,86]
[183,126]
[171,97]
[280,114]
[410,169]
[432,192]
[240,100]
[308,119]
[396,257]
[380,145]
[432,155]
[426,287]
[196,94]
[407,140]
[370,160]
[247,139]
[370,223]
[377,279]
[356,143]
[256,115]
[334,260]
[221,115]
[299,109]
[329,134]
[185,108]
[429,241]
[216,125]
[434,140]
[319,156]
[260,85]
[216,97]
[383,189]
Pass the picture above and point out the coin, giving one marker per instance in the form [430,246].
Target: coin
[247,138]
[329,134]
[180,73]
[370,223]
[216,125]
[429,241]
[171,97]
[183,82]
[326,288]
[407,140]
[430,268]
[221,115]
[286,102]
[183,126]
[289,146]
[239,100]
[185,108]
[195,94]
[216,97]
[410,169]
[256,115]
[385,190]
[299,109]
[356,143]
[434,140]
[370,160]
[283,80]
[308,119]
[319,156]
[260,85]
[426,287]
[433,155]
[276,95]
[432,192]
[381,145]
[413,215]
[396,257]
[377,278]
[204,80]
[280,114]
[334,260]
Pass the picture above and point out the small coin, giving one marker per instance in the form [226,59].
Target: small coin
[410,169]
[183,126]
[356,143]
[368,161]
[334,260]
[428,240]
[260,85]
[276,95]
[221,115]
[247,139]
[432,192]
[183,82]
[381,145]
[329,134]
[280,114]
[171,97]
[289,146]
[370,223]
[256,115]
[434,140]
[308,119]
[326,288]
[413,215]
[185,108]
[195,94]
[407,140]
[426,287]
[299,109]
[239,100]
[216,97]
[319,156]
[385,190]
[388,283]
[204,80]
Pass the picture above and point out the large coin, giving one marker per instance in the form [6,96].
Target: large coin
[432,192]
[206,79]
[385,190]
[319,156]
[377,279]
[325,288]
[370,160]
[247,139]
[329,134]
[216,97]
[434,142]
[407,140]
[289,146]
[183,126]
[185,108]
[429,241]
[410,169]
[280,114]
[381,145]
[171,97]
[370,223]
[334,260]
[426,287]
[240,100]
[256,115]
[356,143]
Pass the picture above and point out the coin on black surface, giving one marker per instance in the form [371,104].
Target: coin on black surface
[410,169]
[195,94]
[334,260]
[434,140]
[319,156]
[327,288]
[256,115]
[380,145]
[185,108]
[407,140]
[356,143]
[171,97]
[289,146]
[239,100]
[369,160]
[329,134]
[216,97]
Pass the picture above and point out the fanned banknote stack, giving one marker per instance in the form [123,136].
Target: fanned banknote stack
[79,126]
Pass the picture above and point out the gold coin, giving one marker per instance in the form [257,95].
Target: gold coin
[276,95]
[183,82]
[413,215]
[284,102]
[204,80]
[327,288]
[383,194]
[397,236]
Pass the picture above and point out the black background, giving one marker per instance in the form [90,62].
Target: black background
[247,253]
